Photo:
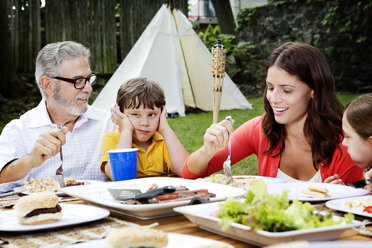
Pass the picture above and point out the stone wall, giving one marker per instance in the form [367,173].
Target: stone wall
[348,53]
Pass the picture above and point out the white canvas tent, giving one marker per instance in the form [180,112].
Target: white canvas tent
[170,53]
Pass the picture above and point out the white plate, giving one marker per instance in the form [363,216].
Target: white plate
[72,214]
[26,192]
[334,191]
[98,194]
[339,204]
[174,240]
[201,216]
[245,181]
[59,193]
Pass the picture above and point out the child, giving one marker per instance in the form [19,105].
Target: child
[357,125]
[141,116]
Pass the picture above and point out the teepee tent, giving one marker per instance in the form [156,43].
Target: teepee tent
[170,53]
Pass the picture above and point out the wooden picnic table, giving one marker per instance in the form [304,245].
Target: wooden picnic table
[180,224]
[172,224]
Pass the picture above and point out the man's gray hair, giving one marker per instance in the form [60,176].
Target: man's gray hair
[51,56]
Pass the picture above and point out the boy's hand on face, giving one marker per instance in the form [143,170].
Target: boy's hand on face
[163,122]
[121,119]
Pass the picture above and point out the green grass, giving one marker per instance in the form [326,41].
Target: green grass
[190,129]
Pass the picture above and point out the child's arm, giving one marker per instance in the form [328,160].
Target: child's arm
[125,128]
[335,179]
[125,138]
[368,174]
[177,153]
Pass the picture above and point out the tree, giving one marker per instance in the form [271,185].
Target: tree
[8,78]
[224,16]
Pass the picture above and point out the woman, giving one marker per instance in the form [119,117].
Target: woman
[298,138]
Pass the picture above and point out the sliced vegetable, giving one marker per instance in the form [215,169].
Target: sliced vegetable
[368,209]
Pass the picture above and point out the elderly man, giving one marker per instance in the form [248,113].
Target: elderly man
[30,146]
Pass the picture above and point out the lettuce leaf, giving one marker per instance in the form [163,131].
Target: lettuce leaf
[273,213]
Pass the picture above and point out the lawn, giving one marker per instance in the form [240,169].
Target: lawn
[190,129]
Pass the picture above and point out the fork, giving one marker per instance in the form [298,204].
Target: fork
[59,171]
[227,163]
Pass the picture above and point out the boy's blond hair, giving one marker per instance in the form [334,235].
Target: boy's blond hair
[137,91]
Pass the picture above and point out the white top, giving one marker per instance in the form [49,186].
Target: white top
[317,178]
[81,153]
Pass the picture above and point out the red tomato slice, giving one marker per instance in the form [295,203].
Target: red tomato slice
[368,209]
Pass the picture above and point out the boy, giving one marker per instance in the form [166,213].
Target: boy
[141,116]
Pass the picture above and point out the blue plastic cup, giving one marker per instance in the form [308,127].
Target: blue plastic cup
[123,163]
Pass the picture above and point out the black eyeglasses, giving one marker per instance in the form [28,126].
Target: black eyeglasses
[79,82]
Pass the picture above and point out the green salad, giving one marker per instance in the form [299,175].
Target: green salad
[273,213]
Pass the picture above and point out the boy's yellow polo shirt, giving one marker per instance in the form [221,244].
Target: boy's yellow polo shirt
[154,161]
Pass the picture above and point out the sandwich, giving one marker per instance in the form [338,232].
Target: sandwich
[315,191]
[38,208]
[136,237]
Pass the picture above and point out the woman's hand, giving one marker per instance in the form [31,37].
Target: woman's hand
[335,179]
[217,136]
[120,119]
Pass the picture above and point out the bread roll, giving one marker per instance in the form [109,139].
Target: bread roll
[38,208]
[136,237]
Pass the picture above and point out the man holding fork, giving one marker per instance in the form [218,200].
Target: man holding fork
[29,145]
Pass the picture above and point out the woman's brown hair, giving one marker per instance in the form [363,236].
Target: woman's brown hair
[359,115]
[139,91]
[323,125]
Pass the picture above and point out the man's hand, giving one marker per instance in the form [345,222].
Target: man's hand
[48,145]
[121,119]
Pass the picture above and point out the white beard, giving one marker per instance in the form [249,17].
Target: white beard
[70,105]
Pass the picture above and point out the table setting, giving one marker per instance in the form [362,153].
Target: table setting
[86,206]
[221,210]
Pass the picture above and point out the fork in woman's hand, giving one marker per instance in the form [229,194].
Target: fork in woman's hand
[227,163]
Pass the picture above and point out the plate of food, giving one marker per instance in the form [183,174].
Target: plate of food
[315,192]
[50,185]
[41,211]
[162,206]
[357,205]
[265,219]
[241,181]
